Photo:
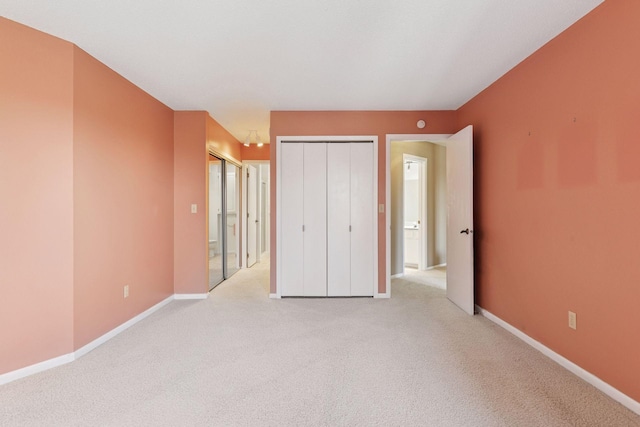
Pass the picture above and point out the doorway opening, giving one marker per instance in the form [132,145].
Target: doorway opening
[417,207]
[223,226]
[414,212]
[458,211]
[256,208]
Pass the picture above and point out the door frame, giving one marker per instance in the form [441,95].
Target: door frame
[436,138]
[374,231]
[243,197]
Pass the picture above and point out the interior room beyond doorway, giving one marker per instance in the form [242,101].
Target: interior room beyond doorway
[418,211]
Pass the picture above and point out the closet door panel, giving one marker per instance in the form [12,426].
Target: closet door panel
[315,219]
[338,220]
[291,187]
[362,219]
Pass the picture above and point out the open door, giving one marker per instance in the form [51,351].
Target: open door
[460,285]
[252,215]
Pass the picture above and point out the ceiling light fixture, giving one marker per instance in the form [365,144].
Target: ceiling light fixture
[258,141]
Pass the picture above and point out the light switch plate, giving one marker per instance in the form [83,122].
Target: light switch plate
[194,208]
[573,320]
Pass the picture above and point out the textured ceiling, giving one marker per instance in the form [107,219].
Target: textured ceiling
[239,59]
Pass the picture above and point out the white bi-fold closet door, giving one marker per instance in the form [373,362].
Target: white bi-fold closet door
[327,202]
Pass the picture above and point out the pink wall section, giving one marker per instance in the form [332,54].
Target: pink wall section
[222,142]
[194,132]
[36,196]
[88,200]
[123,199]
[381,123]
[557,149]
[189,179]
[253,152]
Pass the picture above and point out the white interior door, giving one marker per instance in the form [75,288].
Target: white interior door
[291,214]
[252,215]
[338,220]
[363,250]
[460,284]
[315,220]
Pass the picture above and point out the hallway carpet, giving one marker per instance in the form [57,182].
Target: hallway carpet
[242,359]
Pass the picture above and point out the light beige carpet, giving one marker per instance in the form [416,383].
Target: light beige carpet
[241,359]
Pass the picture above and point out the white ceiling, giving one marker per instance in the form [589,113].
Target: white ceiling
[240,59]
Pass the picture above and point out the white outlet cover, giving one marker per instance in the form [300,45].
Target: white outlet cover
[572,320]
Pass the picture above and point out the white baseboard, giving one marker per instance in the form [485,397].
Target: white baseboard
[70,357]
[437,266]
[112,333]
[395,276]
[36,368]
[381,296]
[604,387]
[274,296]
[190,296]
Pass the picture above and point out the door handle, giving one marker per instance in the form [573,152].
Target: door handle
[465,231]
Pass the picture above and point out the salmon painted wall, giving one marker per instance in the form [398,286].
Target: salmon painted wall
[123,199]
[557,154]
[380,123]
[253,152]
[36,196]
[189,180]
[194,133]
[222,142]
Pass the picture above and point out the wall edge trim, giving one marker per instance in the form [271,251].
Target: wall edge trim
[190,296]
[36,368]
[124,326]
[436,266]
[45,365]
[581,373]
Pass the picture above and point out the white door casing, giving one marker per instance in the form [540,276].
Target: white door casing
[460,281]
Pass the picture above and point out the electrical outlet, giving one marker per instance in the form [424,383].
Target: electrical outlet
[126,291]
[572,320]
